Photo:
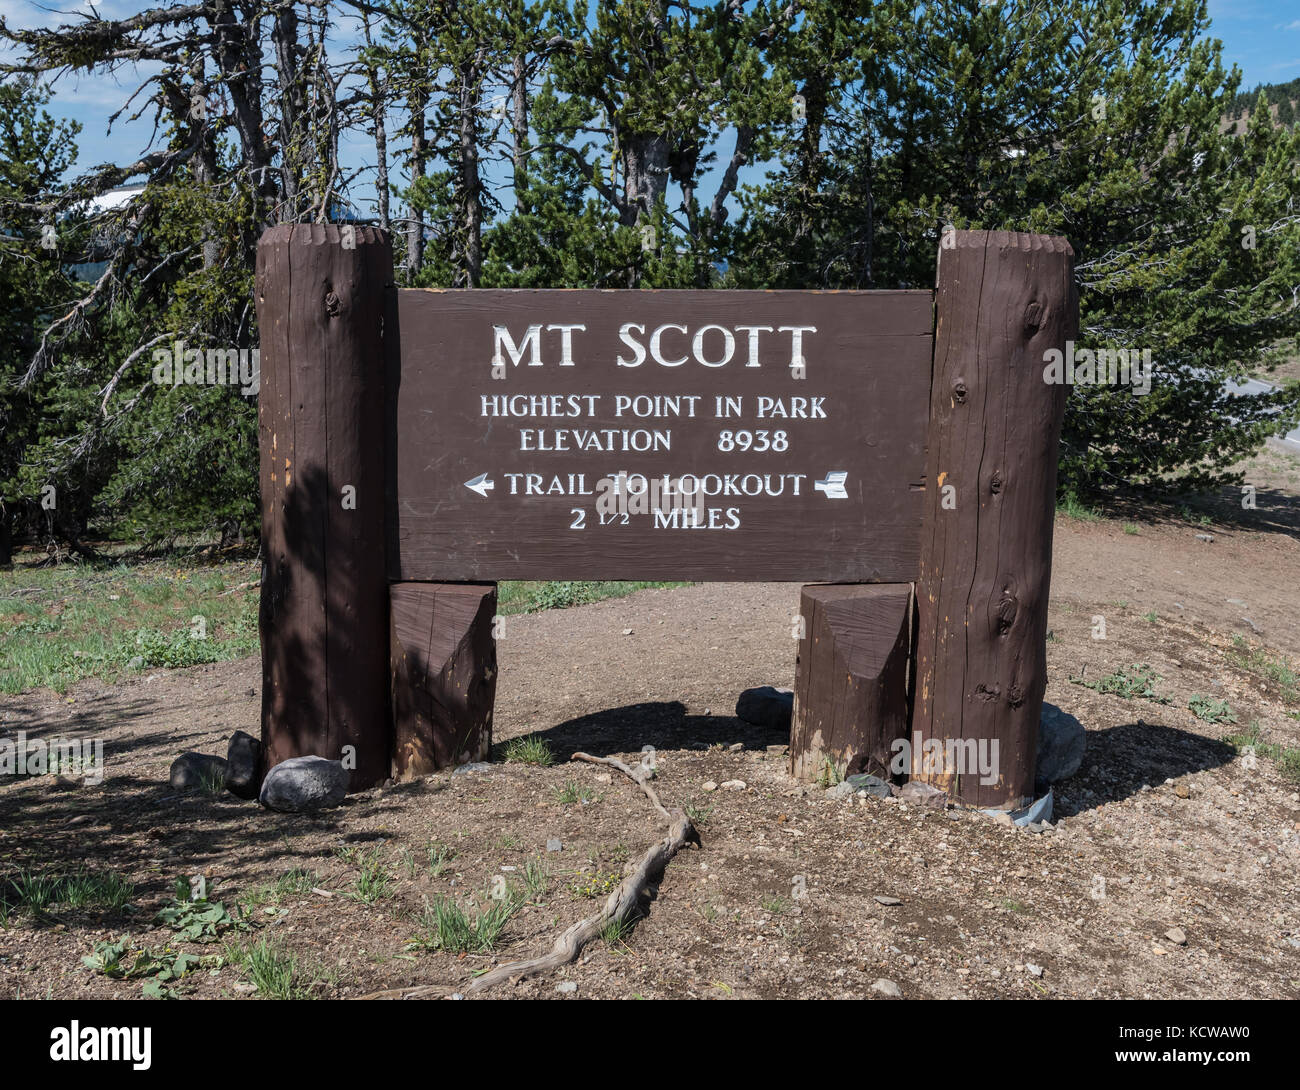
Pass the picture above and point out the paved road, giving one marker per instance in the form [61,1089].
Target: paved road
[1291,441]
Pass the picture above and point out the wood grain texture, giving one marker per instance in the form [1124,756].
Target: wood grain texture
[444,674]
[324,603]
[851,678]
[870,359]
[1004,299]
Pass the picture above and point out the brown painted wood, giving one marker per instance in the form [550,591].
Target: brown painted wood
[851,678]
[869,358]
[1004,299]
[444,674]
[324,605]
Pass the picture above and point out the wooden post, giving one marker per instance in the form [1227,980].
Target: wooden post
[851,678]
[1004,300]
[444,669]
[322,291]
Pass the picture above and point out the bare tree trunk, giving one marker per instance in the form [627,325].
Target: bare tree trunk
[418,103]
[471,184]
[378,107]
[645,174]
[519,118]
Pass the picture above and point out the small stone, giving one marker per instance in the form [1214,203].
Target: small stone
[304,784]
[887,987]
[923,794]
[1034,970]
[710,785]
[626,632]
[1204,537]
[554,845]
[473,766]
[735,747]
[1177,936]
[882,899]
[766,706]
[733,785]
[1183,791]
[194,769]
[778,750]
[567,987]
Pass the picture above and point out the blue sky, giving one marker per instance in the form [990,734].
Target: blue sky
[1262,37]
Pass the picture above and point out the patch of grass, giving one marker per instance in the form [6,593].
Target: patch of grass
[1211,711]
[829,775]
[1012,905]
[1128,682]
[374,882]
[1272,668]
[440,857]
[1151,616]
[699,815]
[573,792]
[272,968]
[1072,507]
[536,880]
[531,597]
[615,932]
[37,894]
[1252,741]
[108,620]
[447,925]
[1131,529]
[294,882]
[529,750]
[774,904]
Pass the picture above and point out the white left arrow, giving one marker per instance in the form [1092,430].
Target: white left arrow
[480,484]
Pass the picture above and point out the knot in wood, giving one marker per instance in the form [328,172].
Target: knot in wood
[995,485]
[1007,609]
[959,392]
[332,304]
[1033,316]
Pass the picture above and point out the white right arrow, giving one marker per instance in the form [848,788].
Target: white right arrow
[833,485]
[480,484]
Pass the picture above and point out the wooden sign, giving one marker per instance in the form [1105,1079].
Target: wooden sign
[729,435]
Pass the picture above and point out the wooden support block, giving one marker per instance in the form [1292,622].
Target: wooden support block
[851,678]
[444,669]
[322,296]
[1004,301]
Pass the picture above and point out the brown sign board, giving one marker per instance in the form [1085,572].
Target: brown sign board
[698,435]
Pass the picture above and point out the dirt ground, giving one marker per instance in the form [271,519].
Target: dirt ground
[1164,827]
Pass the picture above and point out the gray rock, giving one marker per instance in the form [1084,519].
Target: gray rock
[841,790]
[1061,743]
[244,765]
[474,766]
[872,785]
[304,784]
[567,987]
[766,706]
[887,987]
[196,770]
